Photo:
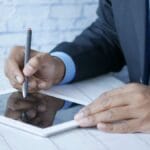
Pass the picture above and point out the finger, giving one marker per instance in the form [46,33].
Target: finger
[16,85]
[33,84]
[114,114]
[102,104]
[33,65]
[124,89]
[14,64]
[13,72]
[127,126]
[19,50]
[43,85]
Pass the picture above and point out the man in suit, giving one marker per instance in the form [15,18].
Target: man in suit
[118,37]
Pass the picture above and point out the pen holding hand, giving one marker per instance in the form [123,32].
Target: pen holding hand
[42,70]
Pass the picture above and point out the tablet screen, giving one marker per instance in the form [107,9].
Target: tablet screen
[37,109]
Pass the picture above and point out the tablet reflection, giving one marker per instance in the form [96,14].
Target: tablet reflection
[37,109]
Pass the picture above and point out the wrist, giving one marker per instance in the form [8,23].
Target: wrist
[59,69]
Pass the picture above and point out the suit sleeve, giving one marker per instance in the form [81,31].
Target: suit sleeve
[96,50]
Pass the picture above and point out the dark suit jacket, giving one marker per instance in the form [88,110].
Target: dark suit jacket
[116,38]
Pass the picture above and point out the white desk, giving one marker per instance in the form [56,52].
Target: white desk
[84,139]
[78,139]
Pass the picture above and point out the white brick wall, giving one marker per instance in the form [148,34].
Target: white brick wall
[52,21]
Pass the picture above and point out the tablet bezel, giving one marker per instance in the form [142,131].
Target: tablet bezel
[33,129]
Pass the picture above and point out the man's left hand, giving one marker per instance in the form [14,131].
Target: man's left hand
[123,110]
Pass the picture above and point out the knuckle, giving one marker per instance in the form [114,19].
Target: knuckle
[124,127]
[41,56]
[110,115]
[37,58]
[141,125]
[87,110]
[17,49]
[34,62]
[46,87]
[33,89]
[131,110]
[121,128]
[106,103]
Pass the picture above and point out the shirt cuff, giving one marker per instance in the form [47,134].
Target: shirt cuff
[69,65]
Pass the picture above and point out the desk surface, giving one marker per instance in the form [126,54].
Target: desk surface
[85,139]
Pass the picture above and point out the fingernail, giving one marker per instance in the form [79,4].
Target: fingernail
[19,79]
[81,114]
[84,122]
[101,126]
[27,70]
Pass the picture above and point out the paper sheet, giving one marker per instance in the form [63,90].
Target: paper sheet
[86,91]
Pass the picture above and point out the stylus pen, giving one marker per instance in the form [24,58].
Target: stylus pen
[26,59]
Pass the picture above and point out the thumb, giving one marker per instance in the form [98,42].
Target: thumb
[32,66]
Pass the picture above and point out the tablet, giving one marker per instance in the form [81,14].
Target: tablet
[38,114]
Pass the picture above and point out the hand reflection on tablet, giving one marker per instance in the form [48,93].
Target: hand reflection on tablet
[37,109]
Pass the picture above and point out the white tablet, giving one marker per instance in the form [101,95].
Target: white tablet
[38,114]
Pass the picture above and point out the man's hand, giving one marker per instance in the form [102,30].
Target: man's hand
[42,69]
[122,110]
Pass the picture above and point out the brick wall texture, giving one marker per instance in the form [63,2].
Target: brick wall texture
[52,21]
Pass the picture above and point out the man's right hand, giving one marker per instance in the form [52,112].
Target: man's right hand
[42,69]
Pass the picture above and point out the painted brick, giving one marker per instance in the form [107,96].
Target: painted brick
[52,21]
[69,11]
